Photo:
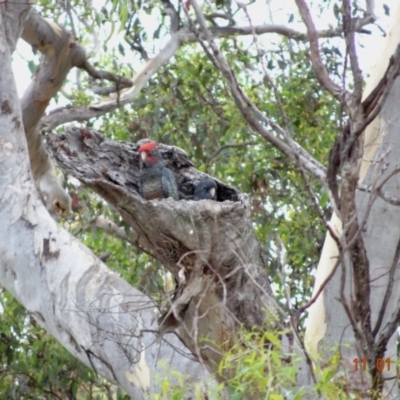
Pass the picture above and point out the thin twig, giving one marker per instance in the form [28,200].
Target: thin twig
[228,146]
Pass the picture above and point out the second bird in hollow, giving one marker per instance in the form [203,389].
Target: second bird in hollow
[206,189]
[156,181]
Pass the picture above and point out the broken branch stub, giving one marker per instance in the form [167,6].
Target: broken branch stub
[209,246]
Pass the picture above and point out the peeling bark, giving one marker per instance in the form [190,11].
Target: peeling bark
[60,53]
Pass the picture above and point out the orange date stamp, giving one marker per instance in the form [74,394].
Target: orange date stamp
[380,364]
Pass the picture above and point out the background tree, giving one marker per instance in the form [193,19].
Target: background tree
[95,314]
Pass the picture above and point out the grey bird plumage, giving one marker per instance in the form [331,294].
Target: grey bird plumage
[206,189]
[156,181]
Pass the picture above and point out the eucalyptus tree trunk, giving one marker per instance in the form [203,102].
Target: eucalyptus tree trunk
[104,322]
[329,325]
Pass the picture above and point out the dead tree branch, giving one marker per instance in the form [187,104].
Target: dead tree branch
[201,243]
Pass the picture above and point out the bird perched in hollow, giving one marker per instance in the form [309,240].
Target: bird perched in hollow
[156,181]
[206,189]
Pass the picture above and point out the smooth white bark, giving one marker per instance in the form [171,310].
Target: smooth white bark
[89,309]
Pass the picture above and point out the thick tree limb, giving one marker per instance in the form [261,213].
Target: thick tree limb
[208,246]
[13,29]
[223,31]
[61,52]
[173,15]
